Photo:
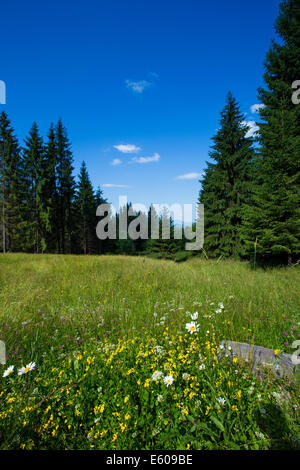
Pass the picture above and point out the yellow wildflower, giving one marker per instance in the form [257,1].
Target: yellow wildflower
[123,427]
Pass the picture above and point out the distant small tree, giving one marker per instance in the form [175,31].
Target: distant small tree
[166,245]
[124,244]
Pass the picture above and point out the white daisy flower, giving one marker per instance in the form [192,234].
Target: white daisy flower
[221,401]
[194,316]
[156,431]
[168,380]
[159,351]
[185,376]
[8,371]
[192,327]
[221,347]
[260,435]
[28,368]
[157,375]
[202,367]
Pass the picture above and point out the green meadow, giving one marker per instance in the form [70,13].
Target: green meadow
[113,362]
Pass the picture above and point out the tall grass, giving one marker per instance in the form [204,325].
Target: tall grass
[101,336]
[259,306]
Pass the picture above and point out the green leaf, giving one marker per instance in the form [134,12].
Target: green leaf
[217,423]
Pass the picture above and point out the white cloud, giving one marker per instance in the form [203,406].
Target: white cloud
[116,162]
[256,107]
[155,158]
[253,128]
[138,86]
[112,185]
[189,176]
[127,148]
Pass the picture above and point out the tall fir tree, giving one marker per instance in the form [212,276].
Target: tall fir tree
[101,246]
[226,183]
[65,185]
[85,207]
[10,187]
[49,193]
[272,220]
[33,220]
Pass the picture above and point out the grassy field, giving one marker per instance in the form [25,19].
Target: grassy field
[116,368]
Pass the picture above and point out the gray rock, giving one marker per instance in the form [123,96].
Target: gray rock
[262,359]
[2,353]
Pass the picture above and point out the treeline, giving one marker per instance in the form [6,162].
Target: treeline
[44,209]
[251,193]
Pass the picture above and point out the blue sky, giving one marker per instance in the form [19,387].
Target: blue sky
[138,84]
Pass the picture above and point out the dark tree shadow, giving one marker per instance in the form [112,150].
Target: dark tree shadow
[274,425]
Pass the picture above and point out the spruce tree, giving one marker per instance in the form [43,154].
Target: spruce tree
[33,156]
[124,244]
[166,245]
[100,246]
[99,199]
[10,185]
[226,185]
[140,244]
[65,185]
[49,193]
[273,217]
[85,205]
